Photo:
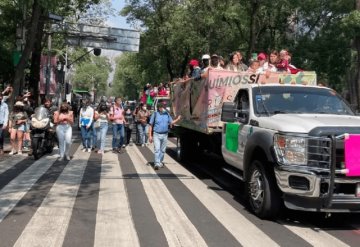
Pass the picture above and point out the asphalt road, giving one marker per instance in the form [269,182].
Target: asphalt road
[120,200]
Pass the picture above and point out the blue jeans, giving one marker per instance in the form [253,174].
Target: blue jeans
[64,135]
[118,129]
[94,138]
[160,141]
[86,136]
[1,136]
[101,134]
[143,133]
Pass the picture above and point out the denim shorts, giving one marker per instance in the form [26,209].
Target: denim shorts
[21,127]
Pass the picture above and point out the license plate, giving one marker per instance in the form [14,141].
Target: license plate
[357,193]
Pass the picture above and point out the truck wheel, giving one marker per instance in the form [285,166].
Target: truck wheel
[263,194]
[178,150]
[184,148]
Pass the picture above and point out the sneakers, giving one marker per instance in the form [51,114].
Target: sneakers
[88,150]
[143,145]
[67,157]
[84,150]
[13,151]
[19,152]
[156,166]
[123,146]
[162,164]
[100,152]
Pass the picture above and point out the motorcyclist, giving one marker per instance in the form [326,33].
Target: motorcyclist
[51,108]
[47,103]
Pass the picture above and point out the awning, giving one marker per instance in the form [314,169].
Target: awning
[81,92]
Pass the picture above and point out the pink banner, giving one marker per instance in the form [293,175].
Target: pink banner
[352,155]
[43,66]
[200,102]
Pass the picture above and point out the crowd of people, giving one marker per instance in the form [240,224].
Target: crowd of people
[259,64]
[122,118]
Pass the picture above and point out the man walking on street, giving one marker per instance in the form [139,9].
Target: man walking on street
[4,117]
[159,123]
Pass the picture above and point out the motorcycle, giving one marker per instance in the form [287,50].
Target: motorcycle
[42,132]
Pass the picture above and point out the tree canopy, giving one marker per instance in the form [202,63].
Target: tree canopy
[318,33]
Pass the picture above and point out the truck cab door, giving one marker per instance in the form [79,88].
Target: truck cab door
[235,134]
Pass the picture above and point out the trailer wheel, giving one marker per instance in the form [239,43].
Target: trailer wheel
[178,150]
[184,148]
[262,192]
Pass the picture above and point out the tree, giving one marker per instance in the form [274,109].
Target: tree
[128,79]
[92,75]
[311,30]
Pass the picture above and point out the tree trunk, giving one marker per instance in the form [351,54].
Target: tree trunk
[252,39]
[30,41]
[35,62]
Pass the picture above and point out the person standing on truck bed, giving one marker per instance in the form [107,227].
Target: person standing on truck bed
[158,131]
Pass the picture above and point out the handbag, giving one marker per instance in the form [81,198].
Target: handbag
[97,123]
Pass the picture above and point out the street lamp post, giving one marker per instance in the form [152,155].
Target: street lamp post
[48,68]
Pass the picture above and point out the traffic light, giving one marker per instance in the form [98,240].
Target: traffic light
[97,51]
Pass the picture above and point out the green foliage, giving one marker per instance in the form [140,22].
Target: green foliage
[317,33]
[92,74]
[351,24]
[127,79]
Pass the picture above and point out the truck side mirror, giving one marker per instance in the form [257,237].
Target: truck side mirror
[228,112]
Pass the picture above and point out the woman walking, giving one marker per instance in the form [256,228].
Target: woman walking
[85,121]
[101,125]
[18,119]
[64,118]
[142,116]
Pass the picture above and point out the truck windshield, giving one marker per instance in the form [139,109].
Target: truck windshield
[297,100]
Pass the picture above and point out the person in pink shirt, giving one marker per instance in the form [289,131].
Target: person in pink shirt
[116,115]
[64,119]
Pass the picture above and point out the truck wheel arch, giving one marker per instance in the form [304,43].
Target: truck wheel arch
[258,145]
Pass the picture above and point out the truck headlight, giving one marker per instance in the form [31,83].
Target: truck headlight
[290,150]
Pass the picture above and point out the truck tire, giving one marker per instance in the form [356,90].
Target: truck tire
[184,148]
[262,192]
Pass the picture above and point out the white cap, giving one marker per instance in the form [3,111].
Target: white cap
[206,56]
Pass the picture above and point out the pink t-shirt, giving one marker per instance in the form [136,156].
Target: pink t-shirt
[117,113]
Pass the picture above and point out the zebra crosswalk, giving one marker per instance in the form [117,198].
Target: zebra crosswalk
[120,200]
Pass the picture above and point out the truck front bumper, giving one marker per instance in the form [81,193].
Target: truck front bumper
[308,190]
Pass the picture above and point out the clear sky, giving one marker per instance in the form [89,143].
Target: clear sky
[118,21]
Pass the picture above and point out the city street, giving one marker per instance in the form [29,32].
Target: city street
[120,200]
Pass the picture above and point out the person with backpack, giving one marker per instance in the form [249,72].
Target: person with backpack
[158,132]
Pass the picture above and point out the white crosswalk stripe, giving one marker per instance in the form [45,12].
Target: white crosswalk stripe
[177,227]
[241,228]
[113,214]
[313,235]
[115,225]
[10,162]
[12,193]
[49,224]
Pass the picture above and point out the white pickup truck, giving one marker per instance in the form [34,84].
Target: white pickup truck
[293,143]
